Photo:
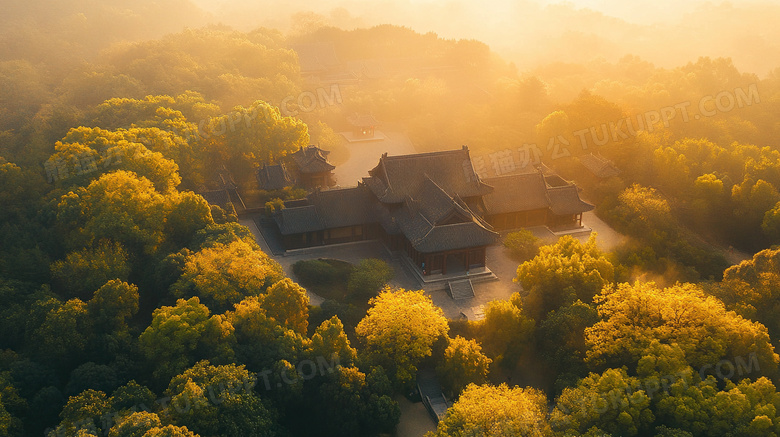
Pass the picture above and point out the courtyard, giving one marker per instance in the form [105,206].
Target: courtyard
[498,262]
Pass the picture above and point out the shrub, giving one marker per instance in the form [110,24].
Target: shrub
[273,206]
[322,272]
[369,277]
[523,244]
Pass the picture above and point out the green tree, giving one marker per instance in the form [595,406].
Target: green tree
[560,338]
[399,330]
[274,205]
[84,412]
[771,223]
[9,425]
[710,198]
[64,333]
[224,274]
[261,340]
[262,135]
[752,289]
[681,399]
[170,431]
[633,316]
[132,396]
[496,411]
[555,127]
[17,303]
[93,376]
[117,206]
[189,214]
[744,409]
[329,338]
[754,201]
[219,400]
[369,277]
[610,402]
[288,304]
[113,305]
[181,335]
[348,407]
[563,273]
[45,407]
[464,364]
[135,424]
[84,271]
[504,331]
[22,255]
[20,188]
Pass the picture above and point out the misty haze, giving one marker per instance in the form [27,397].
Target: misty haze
[401,218]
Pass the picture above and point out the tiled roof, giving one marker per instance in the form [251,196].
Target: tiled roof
[396,177]
[312,159]
[216,197]
[599,166]
[435,204]
[518,192]
[455,236]
[362,120]
[530,191]
[388,222]
[344,207]
[418,219]
[327,210]
[273,177]
[297,220]
[566,200]
[430,189]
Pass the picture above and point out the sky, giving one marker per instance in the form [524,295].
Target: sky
[634,11]
[536,32]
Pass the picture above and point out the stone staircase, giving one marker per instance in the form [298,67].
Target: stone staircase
[460,289]
[438,282]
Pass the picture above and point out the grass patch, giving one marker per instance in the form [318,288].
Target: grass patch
[325,277]
[345,288]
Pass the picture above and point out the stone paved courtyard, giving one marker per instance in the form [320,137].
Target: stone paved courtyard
[498,261]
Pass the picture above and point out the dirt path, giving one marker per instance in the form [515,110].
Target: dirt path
[735,256]
[415,420]
[607,238]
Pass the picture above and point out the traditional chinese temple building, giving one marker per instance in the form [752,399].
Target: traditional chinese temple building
[311,168]
[273,177]
[363,125]
[433,208]
[533,199]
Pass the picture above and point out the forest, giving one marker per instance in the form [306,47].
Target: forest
[130,306]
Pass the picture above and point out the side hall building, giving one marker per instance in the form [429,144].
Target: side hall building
[432,207]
